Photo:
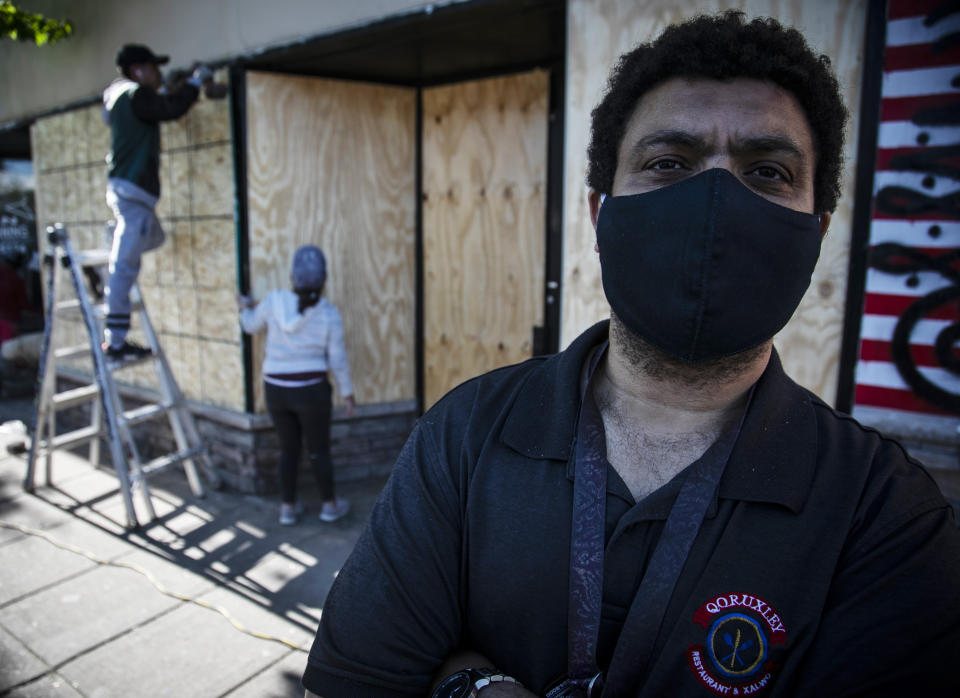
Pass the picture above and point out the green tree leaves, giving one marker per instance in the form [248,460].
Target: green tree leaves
[26,26]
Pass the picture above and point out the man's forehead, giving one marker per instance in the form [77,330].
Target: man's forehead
[741,109]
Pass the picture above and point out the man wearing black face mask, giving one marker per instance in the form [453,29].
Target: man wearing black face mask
[659,510]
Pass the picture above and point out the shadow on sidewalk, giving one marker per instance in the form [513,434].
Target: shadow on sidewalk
[231,540]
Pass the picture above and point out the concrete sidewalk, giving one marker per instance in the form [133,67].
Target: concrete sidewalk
[72,626]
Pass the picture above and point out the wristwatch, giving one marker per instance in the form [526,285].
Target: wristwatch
[467,683]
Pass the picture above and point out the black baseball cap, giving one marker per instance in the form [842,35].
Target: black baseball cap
[129,54]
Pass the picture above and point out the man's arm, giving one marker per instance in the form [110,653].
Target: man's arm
[150,106]
[892,621]
[468,659]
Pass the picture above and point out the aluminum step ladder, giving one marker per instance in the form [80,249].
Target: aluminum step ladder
[109,418]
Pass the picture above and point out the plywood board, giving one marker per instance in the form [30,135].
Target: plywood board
[332,163]
[40,145]
[69,168]
[47,198]
[173,134]
[600,31]
[484,178]
[98,135]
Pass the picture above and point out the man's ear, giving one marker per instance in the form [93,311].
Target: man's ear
[593,198]
[824,223]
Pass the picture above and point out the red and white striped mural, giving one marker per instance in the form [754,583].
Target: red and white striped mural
[909,364]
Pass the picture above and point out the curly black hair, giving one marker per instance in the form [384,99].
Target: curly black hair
[724,47]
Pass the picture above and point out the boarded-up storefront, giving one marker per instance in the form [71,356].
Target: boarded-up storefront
[439,159]
[430,203]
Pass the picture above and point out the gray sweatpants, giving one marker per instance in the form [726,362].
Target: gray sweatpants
[138,230]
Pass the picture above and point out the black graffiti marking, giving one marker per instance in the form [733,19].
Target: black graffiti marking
[903,201]
[948,41]
[946,115]
[945,342]
[920,384]
[940,161]
[894,258]
[941,11]
[945,43]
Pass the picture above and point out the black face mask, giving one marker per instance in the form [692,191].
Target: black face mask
[705,268]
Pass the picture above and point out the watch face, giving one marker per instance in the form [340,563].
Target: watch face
[455,686]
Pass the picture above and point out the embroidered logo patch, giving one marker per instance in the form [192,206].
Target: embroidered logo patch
[741,631]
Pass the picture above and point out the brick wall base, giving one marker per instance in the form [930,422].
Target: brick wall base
[245,448]
[363,446]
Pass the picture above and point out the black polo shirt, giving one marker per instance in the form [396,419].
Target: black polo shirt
[828,564]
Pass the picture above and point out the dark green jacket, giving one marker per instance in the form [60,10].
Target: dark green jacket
[134,113]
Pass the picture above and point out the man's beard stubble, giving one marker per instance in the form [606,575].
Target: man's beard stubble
[649,362]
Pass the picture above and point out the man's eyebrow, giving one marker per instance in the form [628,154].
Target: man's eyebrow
[672,137]
[770,143]
[765,143]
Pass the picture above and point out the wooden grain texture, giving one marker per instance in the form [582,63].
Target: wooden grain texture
[211,180]
[40,145]
[71,141]
[332,163]
[82,128]
[69,167]
[221,371]
[99,136]
[47,202]
[600,30]
[484,154]
[174,134]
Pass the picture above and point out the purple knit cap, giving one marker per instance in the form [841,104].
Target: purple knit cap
[309,269]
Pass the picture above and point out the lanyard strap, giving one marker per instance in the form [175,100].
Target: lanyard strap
[586,542]
[634,647]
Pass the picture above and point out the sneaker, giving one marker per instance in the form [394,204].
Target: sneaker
[288,514]
[332,511]
[125,351]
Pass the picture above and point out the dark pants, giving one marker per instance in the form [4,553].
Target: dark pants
[300,413]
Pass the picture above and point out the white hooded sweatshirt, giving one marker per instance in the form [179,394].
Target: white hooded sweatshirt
[300,342]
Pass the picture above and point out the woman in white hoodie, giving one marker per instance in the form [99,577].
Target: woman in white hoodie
[304,343]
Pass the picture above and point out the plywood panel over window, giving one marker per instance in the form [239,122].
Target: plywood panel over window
[331,163]
[484,159]
[601,30]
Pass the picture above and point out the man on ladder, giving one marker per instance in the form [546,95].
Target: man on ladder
[133,107]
